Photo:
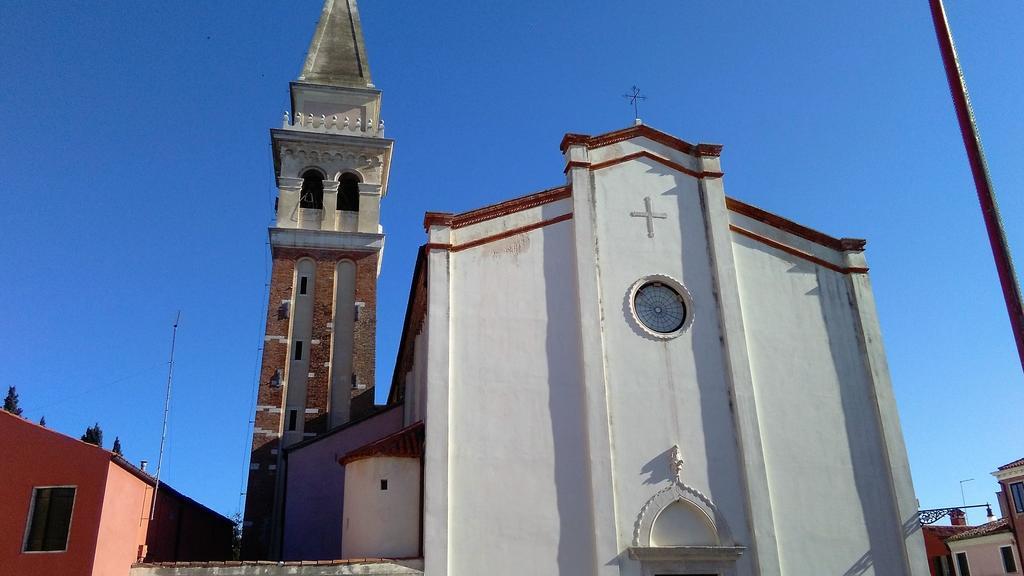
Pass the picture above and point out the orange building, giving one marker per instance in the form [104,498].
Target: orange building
[940,558]
[74,509]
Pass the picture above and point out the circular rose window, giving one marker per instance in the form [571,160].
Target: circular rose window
[661,306]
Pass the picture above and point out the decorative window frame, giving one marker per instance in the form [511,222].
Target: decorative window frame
[669,495]
[719,559]
[675,285]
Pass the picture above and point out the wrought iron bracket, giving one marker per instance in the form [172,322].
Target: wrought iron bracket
[933,515]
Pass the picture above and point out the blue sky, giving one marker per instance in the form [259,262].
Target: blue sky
[136,180]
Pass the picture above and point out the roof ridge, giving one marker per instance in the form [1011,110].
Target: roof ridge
[404,443]
[985,529]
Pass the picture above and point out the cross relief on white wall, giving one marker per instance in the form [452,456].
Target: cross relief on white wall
[650,215]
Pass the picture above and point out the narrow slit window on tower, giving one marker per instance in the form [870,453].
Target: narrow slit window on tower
[293,419]
[312,195]
[302,284]
[298,350]
[348,192]
[384,484]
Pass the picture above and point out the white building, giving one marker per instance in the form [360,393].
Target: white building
[630,373]
[634,374]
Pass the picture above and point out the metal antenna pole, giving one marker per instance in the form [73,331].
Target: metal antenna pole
[982,182]
[167,410]
[962,482]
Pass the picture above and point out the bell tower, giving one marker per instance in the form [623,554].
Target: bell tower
[331,161]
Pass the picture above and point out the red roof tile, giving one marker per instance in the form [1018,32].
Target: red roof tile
[944,532]
[406,443]
[1001,525]
[1013,464]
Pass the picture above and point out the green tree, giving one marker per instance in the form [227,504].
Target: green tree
[93,435]
[11,401]
[117,446]
[42,421]
[236,536]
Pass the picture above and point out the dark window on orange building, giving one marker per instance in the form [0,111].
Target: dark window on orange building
[51,519]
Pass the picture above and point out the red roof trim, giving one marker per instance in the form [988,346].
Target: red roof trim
[498,236]
[415,312]
[512,232]
[437,219]
[658,136]
[796,252]
[994,527]
[406,443]
[1013,464]
[643,154]
[942,532]
[786,225]
[498,210]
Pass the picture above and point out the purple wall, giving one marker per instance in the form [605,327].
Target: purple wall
[316,487]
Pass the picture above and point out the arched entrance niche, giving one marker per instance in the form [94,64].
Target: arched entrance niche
[683,524]
[678,515]
[679,530]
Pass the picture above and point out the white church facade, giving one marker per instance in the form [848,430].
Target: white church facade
[628,374]
[635,374]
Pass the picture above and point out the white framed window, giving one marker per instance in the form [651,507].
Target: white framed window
[1009,562]
[963,568]
[293,419]
[49,519]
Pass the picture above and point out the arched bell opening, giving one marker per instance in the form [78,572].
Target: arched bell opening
[312,194]
[348,192]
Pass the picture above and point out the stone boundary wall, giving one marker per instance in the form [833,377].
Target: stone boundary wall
[265,568]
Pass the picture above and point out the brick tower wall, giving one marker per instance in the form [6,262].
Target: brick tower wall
[269,416]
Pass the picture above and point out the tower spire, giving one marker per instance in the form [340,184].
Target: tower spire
[331,160]
[337,54]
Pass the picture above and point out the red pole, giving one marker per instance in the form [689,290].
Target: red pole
[979,168]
